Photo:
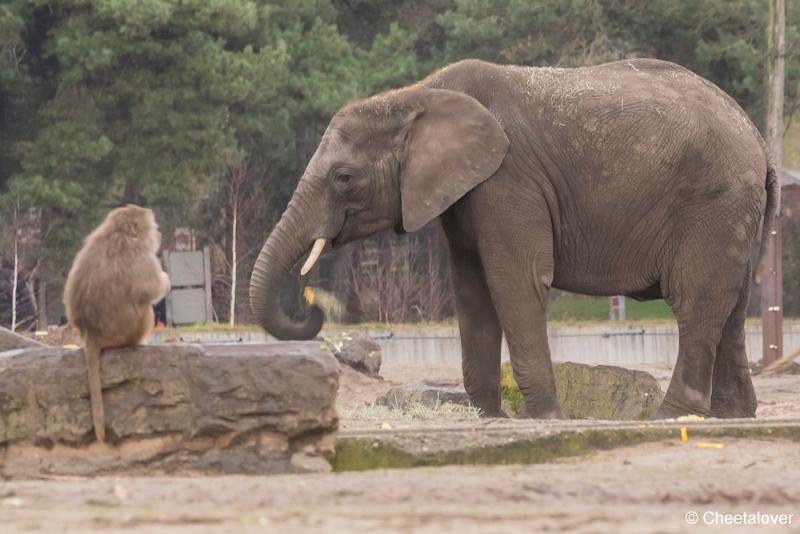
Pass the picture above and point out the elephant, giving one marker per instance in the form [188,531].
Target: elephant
[636,177]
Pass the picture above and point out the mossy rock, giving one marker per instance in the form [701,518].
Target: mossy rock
[592,392]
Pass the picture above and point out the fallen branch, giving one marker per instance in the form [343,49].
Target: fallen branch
[779,365]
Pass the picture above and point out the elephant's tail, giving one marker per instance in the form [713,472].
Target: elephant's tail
[773,187]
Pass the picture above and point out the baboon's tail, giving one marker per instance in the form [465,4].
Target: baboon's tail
[773,187]
[92,352]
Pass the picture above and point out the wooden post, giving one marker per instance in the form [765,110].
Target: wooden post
[772,281]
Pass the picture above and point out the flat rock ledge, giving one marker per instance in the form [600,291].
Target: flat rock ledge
[530,441]
[170,409]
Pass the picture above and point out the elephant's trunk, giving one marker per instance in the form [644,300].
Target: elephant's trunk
[284,247]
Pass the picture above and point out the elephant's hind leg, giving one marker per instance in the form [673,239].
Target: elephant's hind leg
[732,393]
[481,336]
[703,289]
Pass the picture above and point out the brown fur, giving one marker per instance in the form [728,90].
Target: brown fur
[111,289]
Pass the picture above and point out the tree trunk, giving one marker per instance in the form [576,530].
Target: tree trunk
[15,279]
[234,262]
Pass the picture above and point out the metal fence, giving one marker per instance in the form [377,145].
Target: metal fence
[595,345]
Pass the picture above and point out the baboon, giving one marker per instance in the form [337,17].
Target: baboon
[111,289]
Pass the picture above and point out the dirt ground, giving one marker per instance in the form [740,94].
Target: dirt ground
[646,488]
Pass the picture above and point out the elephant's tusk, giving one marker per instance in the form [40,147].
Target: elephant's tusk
[316,250]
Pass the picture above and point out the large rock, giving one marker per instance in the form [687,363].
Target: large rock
[357,350]
[170,409]
[594,392]
[11,341]
[584,392]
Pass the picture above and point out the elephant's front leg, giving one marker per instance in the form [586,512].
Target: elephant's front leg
[522,314]
[481,336]
[514,237]
[519,270]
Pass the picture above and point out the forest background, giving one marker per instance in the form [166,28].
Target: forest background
[209,110]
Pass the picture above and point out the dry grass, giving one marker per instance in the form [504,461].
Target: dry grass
[412,410]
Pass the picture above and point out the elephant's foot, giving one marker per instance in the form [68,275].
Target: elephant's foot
[542,412]
[672,410]
[733,408]
[737,400]
[487,414]
[487,402]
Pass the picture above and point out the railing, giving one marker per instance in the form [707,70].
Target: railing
[640,344]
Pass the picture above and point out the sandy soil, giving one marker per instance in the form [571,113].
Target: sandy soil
[646,488]
[357,389]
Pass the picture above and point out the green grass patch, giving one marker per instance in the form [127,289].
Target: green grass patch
[579,309]
[572,310]
[208,327]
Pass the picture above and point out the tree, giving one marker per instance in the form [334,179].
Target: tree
[397,280]
[19,271]
[721,40]
[325,71]
[244,207]
[104,102]
[146,103]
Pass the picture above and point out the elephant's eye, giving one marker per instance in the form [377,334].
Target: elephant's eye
[344,178]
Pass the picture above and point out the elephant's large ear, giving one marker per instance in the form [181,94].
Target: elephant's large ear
[452,143]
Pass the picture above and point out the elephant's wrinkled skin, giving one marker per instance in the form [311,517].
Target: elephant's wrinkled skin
[636,177]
